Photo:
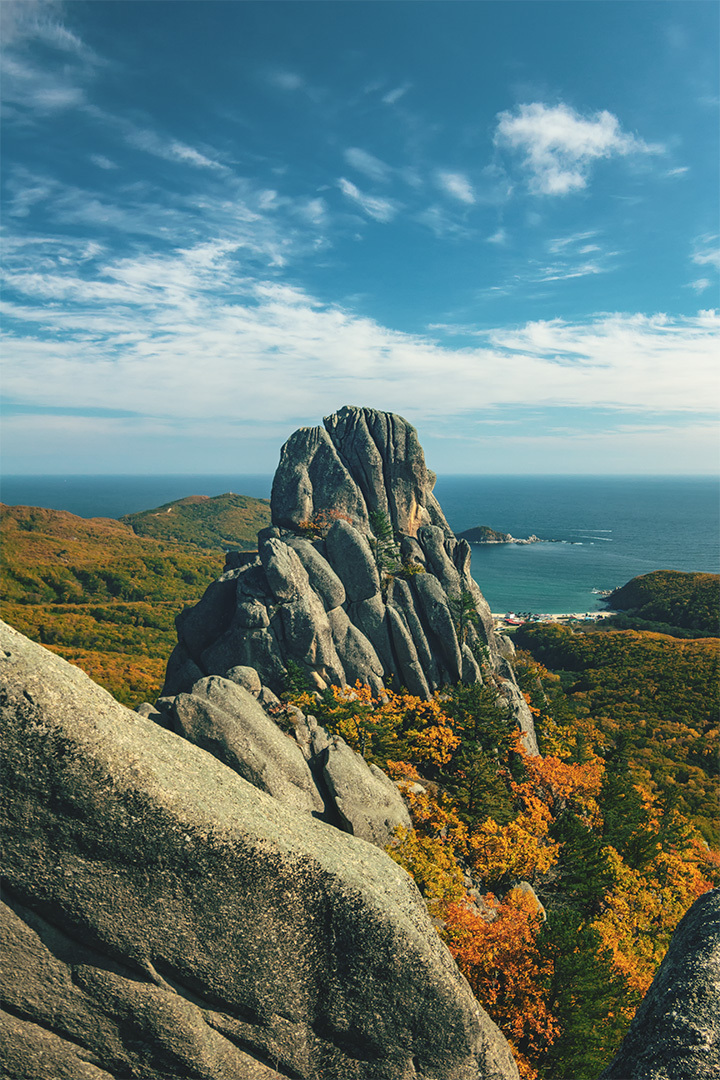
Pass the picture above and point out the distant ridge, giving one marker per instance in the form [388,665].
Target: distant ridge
[220,521]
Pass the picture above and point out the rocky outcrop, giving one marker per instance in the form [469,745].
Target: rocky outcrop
[165,918]
[676,1031]
[359,578]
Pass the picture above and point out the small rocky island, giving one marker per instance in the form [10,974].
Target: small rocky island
[483,534]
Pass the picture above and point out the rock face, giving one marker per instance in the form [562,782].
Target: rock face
[164,918]
[676,1031]
[359,577]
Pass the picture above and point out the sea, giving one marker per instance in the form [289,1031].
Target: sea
[597,532]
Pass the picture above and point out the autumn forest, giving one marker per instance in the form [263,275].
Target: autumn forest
[556,881]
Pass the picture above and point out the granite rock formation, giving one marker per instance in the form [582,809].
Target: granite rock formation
[675,1034]
[359,577]
[165,917]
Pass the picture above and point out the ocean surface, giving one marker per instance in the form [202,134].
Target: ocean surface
[607,529]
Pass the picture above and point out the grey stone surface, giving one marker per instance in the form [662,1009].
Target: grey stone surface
[401,597]
[353,562]
[370,808]
[258,649]
[382,451]
[432,601]
[409,667]
[522,715]
[433,541]
[308,638]
[244,676]
[227,721]
[181,671]
[170,920]
[357,656]
[675,1034]
[322,604]
[286,575]
[198,626]
[371,618]
[311,478]
[323,578]
[251,614]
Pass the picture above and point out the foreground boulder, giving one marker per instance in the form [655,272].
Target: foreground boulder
[676,1031]
[165,919]
[359,578]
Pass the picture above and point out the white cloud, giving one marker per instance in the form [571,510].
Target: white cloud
[559,145]
[168,148]
[31,84]
[367,163]
[197,335]
[443,223]
[681,170]
[700,285]
[457,186]
[380,209]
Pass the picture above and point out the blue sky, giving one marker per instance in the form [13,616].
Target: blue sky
[223,221]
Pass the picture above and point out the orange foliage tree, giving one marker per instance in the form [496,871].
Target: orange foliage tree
[506,970]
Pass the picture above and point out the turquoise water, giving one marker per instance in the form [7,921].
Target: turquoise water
[613,528]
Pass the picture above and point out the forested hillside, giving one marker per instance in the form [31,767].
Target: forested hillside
[97,594]
[556,881]
[221,521]
[668,601]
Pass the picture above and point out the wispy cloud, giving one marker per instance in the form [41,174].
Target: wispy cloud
[286,80]
[394,95]
[29,84]
[707,251]
[559,146]
[84,327]
[102,162]
[368,164]
[457,186]
[498,237]
[380,209]
[561,244]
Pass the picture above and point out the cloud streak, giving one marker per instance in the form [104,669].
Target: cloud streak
[383,210]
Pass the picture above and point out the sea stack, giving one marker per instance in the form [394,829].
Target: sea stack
[359,577]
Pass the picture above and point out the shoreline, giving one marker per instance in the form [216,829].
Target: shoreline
[510,619]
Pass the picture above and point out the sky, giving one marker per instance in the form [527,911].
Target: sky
[225,220]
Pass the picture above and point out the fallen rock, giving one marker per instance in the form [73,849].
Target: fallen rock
[227,721]
[368,802]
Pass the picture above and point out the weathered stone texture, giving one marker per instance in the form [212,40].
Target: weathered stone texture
[676,1031]
[164,918]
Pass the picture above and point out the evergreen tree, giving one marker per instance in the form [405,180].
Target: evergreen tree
[625,816]
[588,997]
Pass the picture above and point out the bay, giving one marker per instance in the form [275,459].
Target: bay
[608,529]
